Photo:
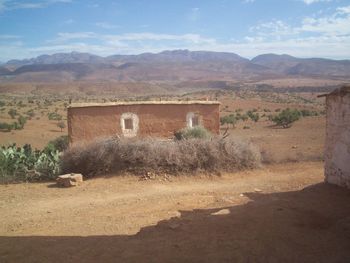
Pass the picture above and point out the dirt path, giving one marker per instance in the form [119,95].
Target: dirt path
[280,213]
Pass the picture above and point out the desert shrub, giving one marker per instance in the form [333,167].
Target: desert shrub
[47,103]
[20,104]
[286,117]
[253,116]
[12,113]
[17,125]
[2,103]
[59,144]
[198,132]
[21,121]
[179,156]
[18,164]
[244,117]
[54,116]
[228,119]
[30,113]
[307,113]
[6,126]
[246,127]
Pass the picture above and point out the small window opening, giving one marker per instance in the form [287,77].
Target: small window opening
[195,121]
[128,124]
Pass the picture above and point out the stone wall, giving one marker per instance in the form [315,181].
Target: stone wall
[157,120]
[337,147]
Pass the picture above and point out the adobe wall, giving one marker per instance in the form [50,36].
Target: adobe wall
[156,120]
[337,147]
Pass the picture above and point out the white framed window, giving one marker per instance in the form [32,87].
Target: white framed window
[193,120]
[129,123]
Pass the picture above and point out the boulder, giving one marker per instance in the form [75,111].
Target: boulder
[68,180]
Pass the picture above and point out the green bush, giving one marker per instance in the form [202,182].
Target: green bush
[306,113]
[54,116]
[59,144]
[197,132]
[12,113]
[6,126]
[19,164]
[228,119]
[253,116]
[286,117]
[21,121]
[17,125]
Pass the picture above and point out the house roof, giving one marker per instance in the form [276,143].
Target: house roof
[339,91]
[190,102]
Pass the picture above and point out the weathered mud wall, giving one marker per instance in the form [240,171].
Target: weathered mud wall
[156,120]
[337,148]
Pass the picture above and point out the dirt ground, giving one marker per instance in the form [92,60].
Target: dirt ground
[36,132]
[279,213]
[304,141]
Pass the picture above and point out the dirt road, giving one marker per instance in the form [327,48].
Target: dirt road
[280,213]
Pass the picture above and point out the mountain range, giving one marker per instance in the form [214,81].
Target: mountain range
[174,65]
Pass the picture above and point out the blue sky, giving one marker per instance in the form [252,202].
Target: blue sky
[303,28]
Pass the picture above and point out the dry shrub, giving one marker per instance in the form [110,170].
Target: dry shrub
[137,155]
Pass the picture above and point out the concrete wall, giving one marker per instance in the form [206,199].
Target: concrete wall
[156,120]
[337,148]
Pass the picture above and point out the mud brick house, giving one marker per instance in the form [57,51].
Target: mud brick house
[87,122]
[337,147]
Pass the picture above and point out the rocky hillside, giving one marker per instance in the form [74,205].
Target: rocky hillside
[176,65]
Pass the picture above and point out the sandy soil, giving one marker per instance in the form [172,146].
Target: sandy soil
[280,213]
[303,141]
[36,132]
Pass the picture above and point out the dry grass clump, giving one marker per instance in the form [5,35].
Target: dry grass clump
[137,155]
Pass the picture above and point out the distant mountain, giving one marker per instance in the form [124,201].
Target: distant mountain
[174,65]
[279,63]
[312,67]
[4,71]
[59,58]
[180,56]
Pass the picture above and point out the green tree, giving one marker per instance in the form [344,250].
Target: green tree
[61,125]
[228,119]
[21,121]
[253,116]
[286,117]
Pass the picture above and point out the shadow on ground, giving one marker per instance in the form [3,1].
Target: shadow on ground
[311,225]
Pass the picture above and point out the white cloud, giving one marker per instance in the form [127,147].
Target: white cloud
[337,23]
[145,36]
[309,2]
[106,25]
[6,5]
[274,28]
[327,34]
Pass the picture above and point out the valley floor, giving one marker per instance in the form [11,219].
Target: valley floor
[279,213]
